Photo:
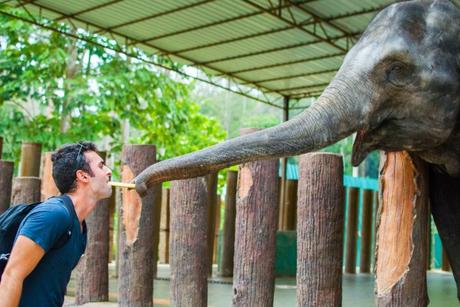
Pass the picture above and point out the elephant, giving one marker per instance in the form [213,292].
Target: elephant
[398,88]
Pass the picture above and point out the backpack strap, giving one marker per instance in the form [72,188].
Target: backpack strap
[66,236]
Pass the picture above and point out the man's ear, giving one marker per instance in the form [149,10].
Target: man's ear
[82,176]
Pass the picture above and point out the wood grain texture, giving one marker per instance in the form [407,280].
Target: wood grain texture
[320,226]
[401,231]
[26,190]
[136,216]
[188,242]
[6,184]
[49,187]
[228,231]
[29,165]
[256,224]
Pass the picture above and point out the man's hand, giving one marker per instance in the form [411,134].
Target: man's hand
[24,258]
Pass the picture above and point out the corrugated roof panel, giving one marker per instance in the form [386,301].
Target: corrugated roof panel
[331,8]
[292,69]
[233,30]
[264,59]
[294,54]
[266,44]
[202,15]
[70,7]
[298,81]
[126,11]
[354,23]
[37,12]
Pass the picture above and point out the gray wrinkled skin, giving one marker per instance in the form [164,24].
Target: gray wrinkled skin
[399,88]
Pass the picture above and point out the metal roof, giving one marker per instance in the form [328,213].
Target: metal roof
[284,48]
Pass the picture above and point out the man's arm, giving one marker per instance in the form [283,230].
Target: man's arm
[24,258]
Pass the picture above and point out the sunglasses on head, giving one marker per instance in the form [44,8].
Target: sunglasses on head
[79,158]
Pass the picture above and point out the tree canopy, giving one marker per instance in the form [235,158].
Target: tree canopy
[55,89]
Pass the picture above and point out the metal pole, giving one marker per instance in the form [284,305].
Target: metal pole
[282,210]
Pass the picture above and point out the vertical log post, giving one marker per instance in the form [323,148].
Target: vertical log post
[164,227]
[217,227]
[6,182]
[112,210]
[211,182]
[290,204]
[188,243]
[135,275]
[228,231]
[157,190]
[48,185]
[1,147]
[26,190]
[29,165]
[445,265]
[320,230]
[366,232]
[352,226]
[256,224]
[401,231]
[92,283]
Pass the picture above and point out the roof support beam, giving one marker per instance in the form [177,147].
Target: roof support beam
[323,57]
[321,19]
[313,73]
[297,25]
[216,23]
[300,87]
[131,22]
[240,56]
[290,27]
[88,10]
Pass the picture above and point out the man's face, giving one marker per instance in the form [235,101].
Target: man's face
[99,182]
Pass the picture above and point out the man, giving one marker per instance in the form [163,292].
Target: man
[37,274]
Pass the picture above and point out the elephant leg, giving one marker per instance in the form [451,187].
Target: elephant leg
[445,208]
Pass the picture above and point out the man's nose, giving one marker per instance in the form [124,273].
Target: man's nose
[109,171]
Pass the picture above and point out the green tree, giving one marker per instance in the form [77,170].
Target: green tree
[55,89]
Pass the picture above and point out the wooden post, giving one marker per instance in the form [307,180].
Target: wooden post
[217,228]
[401,231]
[92,283]
[164,227]
[48,186]
[6,181]
[30,160]
[26,190]
[1,147]
[112,210]
[188,243]
[366,232]
[320,230]
[445,265]
[157,190]
[352,225]
[135,286]
[290,205]
[211,182]
[228,231]
[256,225]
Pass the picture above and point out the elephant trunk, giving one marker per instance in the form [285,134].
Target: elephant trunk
[327,121]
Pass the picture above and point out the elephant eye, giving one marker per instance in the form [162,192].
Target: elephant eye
[399,74]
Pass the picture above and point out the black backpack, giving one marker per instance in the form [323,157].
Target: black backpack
[9,225]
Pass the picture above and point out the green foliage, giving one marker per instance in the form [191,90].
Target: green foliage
[55,90]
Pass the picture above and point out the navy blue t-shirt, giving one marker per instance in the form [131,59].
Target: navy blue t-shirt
[45,225]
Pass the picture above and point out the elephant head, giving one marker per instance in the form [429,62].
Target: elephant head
[398,88]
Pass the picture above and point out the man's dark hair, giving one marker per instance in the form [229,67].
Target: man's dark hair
[67,160]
